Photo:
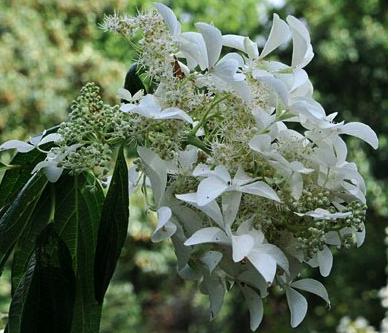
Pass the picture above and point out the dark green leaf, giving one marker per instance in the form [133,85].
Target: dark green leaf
[77,216]
[44,299]
[113,227]
[133,82]
[17,216]
[26,243]
[14,179]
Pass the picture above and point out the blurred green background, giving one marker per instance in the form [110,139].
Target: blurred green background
[50,48]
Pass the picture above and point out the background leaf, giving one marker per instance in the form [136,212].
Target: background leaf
[25,245]
[17,216]
[77,214]
[113,227]
[44,300]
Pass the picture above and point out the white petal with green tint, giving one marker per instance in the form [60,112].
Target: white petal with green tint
[211,259]
[156,171]
[361,131]
[279,34]
[297,305]
[169,17]
[264,263]
[209,189]
[165,228]
[241,247]
[254,305]
[325,260]
[312,286]
[262,189]
[213,41]
[302,48]
[208,235]
[20,146]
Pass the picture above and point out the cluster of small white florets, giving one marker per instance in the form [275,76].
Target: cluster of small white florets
[244,197]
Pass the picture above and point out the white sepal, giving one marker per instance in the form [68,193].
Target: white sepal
[312,286]
[279,34]
[254,305]
[165,228]
[297,305]
[208,235]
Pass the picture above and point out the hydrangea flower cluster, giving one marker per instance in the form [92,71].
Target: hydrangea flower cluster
[248,173]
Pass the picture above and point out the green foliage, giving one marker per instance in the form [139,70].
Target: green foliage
[17,216]
[55,229]
[113,227]
[48,51]
[44,299]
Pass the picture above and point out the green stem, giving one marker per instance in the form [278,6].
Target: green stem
[193,140]
[204,117]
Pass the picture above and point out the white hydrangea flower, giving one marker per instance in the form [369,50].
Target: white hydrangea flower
[241,157]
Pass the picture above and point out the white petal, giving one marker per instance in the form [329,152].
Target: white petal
[202,170]
[296,183]
[241,177]
[150,103]
[53,172]
[20,146]
[165,228]
[360,236]
[302,48]
[209,189]
[213,41]
[211,259]
[234,41]
[241,247]
[308,108]
[277,86]
[261,143]
[361,131]
[242,89]
[216,291]
[230,207]
[251,48]
[325,259]
[211,209]
[208,235]
[156,171]
[133,175]
[253,278]
[332,238]
[124,94]
[279,34]
[297,166]
[37,138]
[169,17]
[192,45]
[226,69]
[128,107]
[341,150]
[297,305]
[254,305]
[275,253]
[174,113]
[262,189]
[53,137]
[312,286]
[188,157]
[245,227]
[222,173]
[264,264]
